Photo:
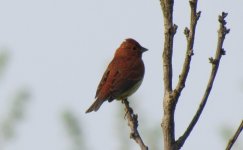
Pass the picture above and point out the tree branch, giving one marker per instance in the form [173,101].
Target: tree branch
[133,124]
[168,101]
[170,30]
[234,138]
[190,35]
[215,64]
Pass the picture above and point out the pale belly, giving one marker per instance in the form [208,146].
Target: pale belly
[130,91]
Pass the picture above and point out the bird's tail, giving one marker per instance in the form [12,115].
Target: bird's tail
[95,106]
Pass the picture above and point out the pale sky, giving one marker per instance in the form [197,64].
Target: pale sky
[59,49]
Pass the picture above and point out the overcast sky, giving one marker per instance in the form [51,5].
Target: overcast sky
[59,50]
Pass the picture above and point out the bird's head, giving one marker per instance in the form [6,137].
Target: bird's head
[130,47]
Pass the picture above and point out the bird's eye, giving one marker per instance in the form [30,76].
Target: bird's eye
[134,48]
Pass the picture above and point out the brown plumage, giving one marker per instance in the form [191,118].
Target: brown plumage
[123,75]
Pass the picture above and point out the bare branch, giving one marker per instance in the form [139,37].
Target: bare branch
[168,101]
[170,30]
[190,35]
[234,138]
[215,64]
[133,124]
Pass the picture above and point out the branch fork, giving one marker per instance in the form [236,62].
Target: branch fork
[171,96]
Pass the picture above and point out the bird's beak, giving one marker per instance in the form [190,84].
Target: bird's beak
[143,49]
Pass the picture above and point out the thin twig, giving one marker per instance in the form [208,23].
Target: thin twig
[133,124]
[190,35]
[234,138]
[215,64]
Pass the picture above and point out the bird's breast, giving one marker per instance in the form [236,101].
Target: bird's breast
[130,91]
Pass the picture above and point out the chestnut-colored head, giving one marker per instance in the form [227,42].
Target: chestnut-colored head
[130,47]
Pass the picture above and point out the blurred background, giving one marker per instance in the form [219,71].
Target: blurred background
[53,54]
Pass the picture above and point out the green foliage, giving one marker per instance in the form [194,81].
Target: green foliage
[15,114]
[4,56]
[74,130]
[16,111]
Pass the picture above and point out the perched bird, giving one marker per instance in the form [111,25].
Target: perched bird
[123,75]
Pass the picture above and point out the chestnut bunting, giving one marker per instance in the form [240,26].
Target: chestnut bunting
[123,75]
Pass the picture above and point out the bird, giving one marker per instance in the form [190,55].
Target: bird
[123,75]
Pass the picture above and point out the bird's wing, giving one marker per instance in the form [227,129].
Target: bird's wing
[120,76]
[125,83]
[102,81]
[130,72]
